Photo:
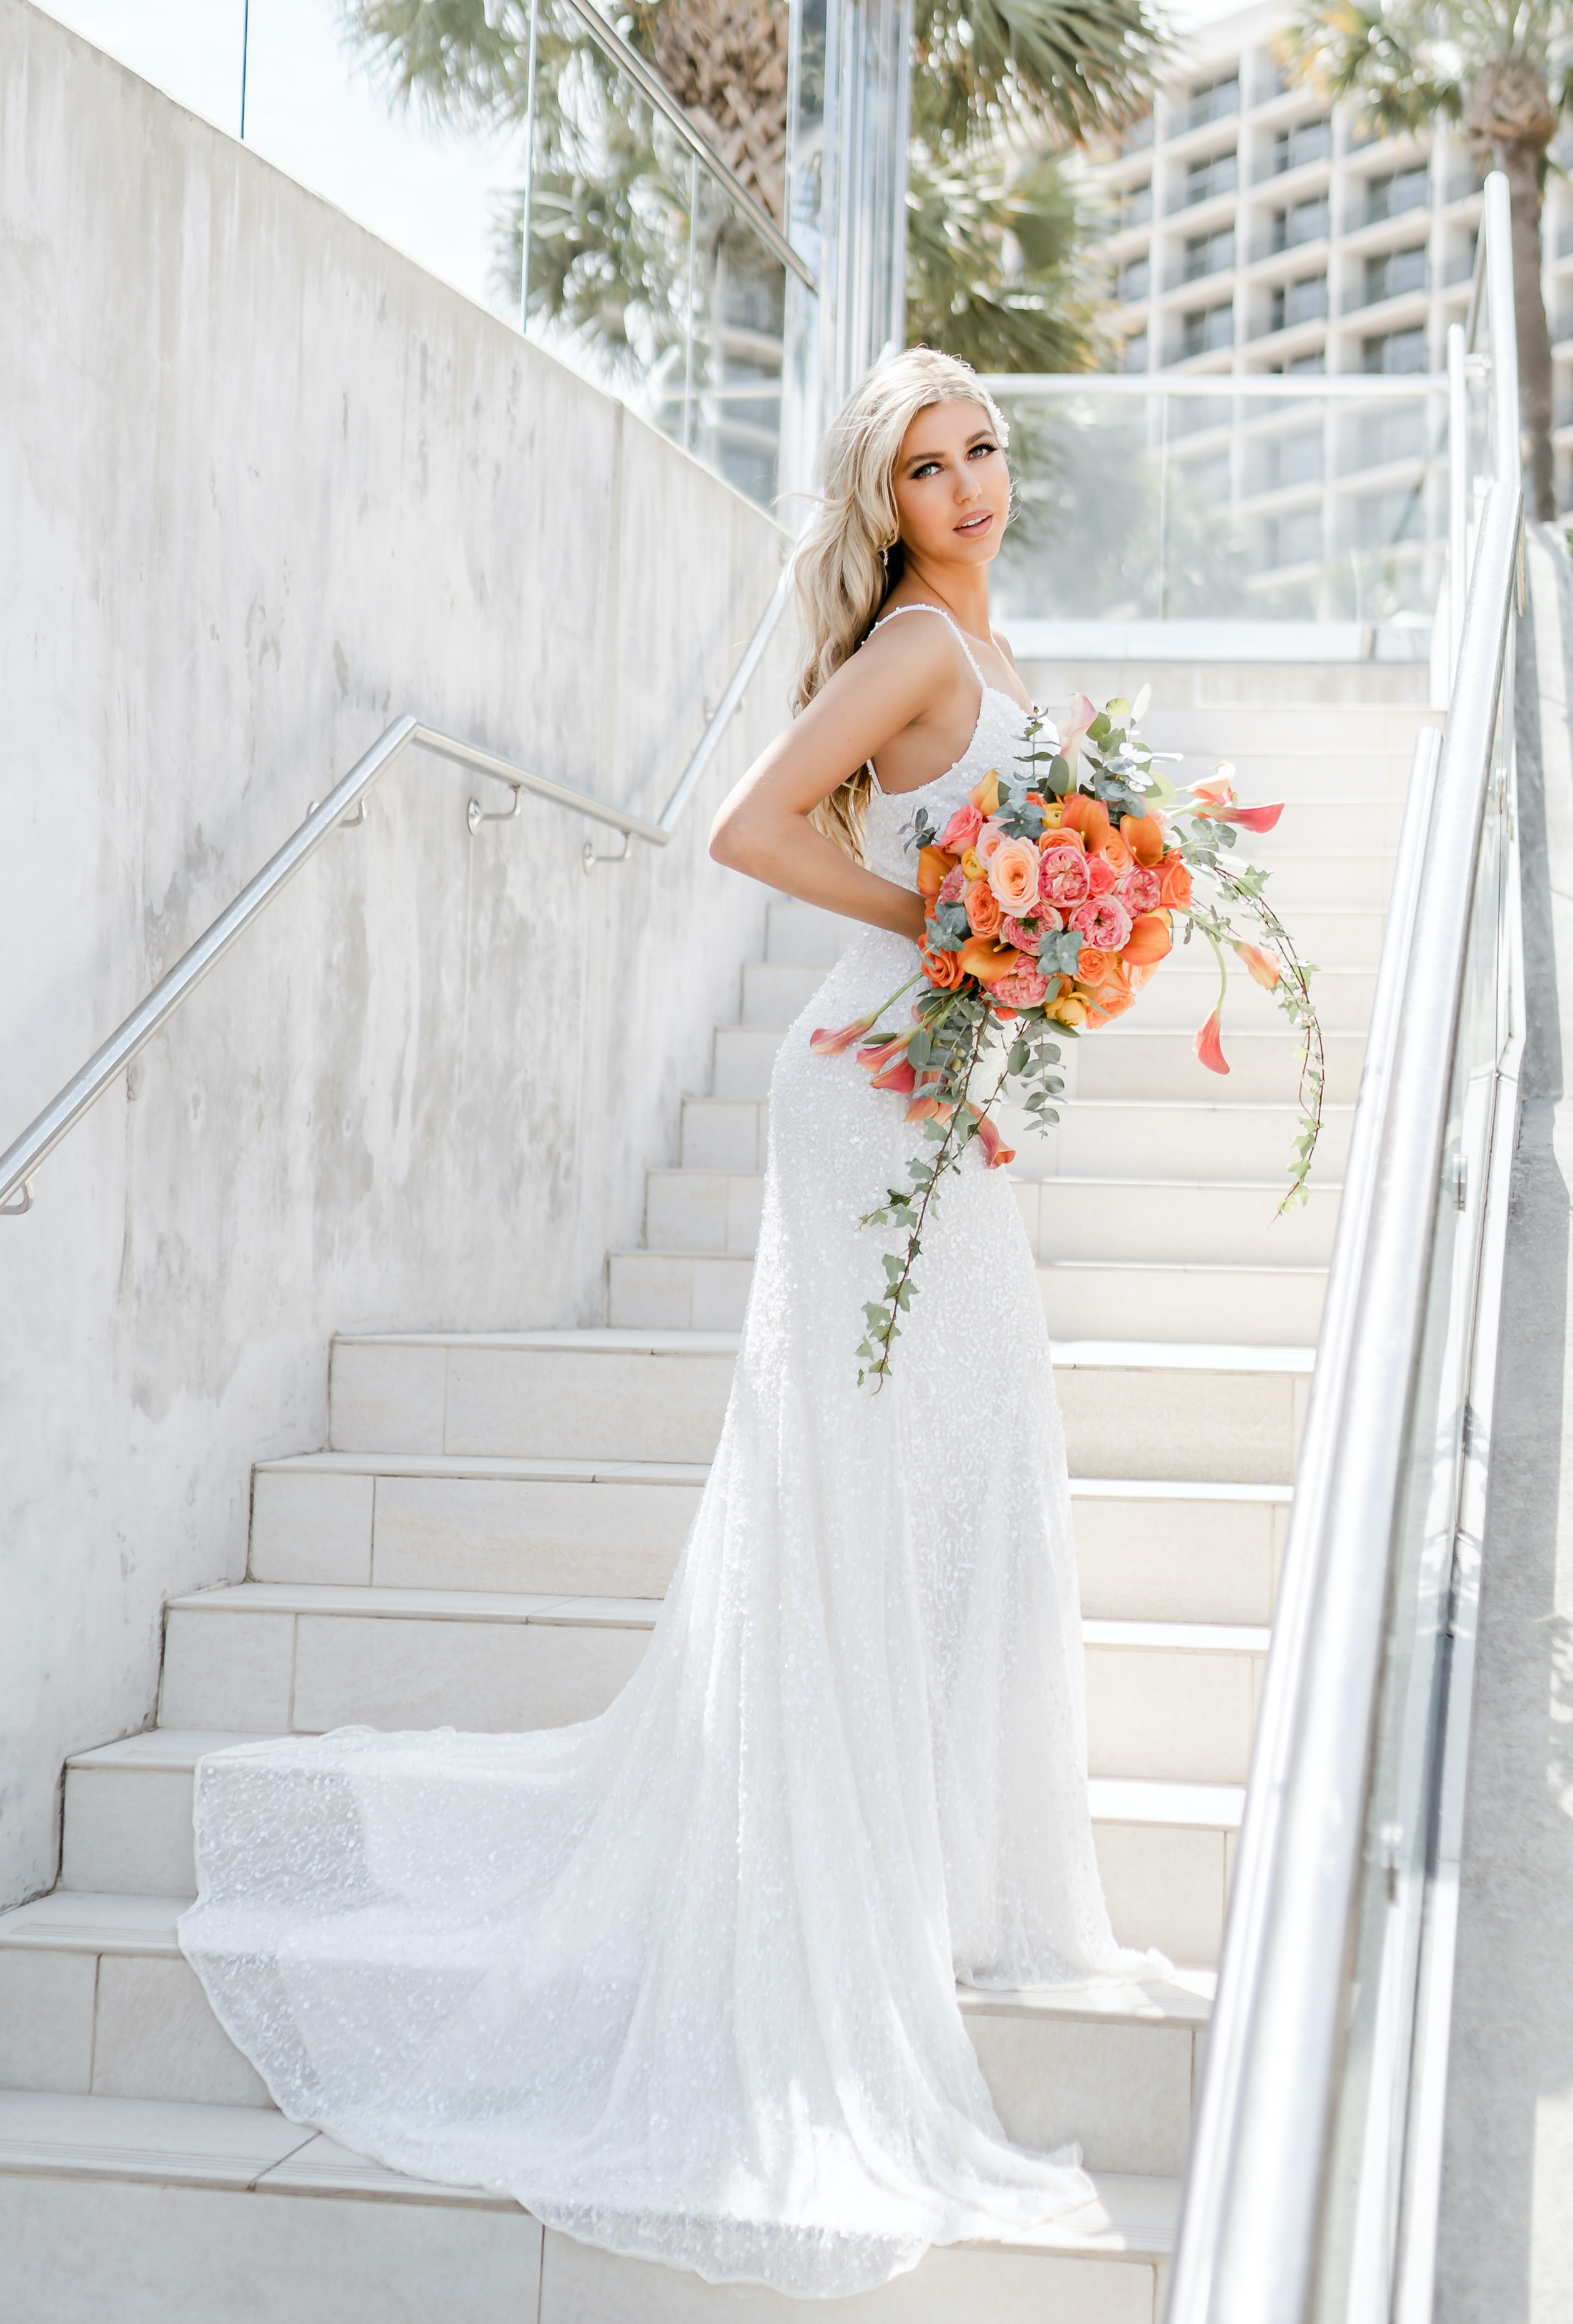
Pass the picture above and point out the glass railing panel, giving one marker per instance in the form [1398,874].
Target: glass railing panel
[1203,504]
[733,408]
[1363,2221]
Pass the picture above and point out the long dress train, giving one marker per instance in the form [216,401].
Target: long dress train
[682,1979]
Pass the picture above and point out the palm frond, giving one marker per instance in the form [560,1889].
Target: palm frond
[1395,64]
[993,272]
[1073,69]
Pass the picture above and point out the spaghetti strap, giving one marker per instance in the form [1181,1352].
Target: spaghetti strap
[895,615]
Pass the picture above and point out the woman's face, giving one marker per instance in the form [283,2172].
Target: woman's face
[952,487]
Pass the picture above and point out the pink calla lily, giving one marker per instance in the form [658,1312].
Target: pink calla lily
[832,1044]
[1252,818]
[1209,1046]
[995,1152]
[1264,966]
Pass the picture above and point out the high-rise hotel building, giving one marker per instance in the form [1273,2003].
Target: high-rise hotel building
[1252,229]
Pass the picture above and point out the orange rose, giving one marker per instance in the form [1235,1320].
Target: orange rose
[1064,835]
[983,913]
[1113,1000]
[1090,817]
[1115,853]
[1144,836]
[943,969]
[932,864]
[981,957]
[1093,967]
[1174,884]
[1150,939]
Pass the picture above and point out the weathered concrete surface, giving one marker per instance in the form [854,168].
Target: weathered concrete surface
[263,485]
[1505,2252]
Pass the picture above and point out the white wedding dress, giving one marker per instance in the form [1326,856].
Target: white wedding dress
[682,1978]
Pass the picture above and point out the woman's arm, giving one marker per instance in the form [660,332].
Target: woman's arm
[894,683]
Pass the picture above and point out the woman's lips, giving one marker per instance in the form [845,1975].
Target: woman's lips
[974,525]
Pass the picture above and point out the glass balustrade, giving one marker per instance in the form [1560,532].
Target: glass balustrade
[1213,502]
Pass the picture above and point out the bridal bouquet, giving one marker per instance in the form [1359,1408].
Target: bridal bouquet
[1051,901]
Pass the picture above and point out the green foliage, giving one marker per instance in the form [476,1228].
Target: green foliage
[1067,70]
[994,271]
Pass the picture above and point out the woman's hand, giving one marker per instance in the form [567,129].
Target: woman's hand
[897,685]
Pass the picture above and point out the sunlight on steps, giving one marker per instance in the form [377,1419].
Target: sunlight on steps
[486,1537]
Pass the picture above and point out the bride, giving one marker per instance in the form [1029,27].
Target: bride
[682,1978]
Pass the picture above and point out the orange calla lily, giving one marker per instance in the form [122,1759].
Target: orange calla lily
[1209,1046]
[1090,817]
[932,864]
[986,798]
[1264,966]
[1144,836]
[981,957]
[1151,939]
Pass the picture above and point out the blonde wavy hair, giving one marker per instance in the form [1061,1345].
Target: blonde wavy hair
[850,557]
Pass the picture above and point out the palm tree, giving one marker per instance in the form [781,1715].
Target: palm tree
[993,229]
[1490,64]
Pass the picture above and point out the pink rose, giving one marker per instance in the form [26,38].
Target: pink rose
[1025,990]
[1103,922]
[1012,874]
[954,887]
[1012,931]
[1100,876]
[1061,875]
[1137,891]
[962,830]
[988,840]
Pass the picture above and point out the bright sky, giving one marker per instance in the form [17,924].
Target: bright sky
[312,110]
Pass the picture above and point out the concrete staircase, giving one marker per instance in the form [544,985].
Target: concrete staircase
[485,1541]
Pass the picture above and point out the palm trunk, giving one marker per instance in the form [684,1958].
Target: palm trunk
[1521,162]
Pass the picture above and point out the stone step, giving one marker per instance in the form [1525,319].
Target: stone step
[96,1999]
[1183,994]
[1166,1851]
[1220,687]
[1172,1700]
[1120,1221]
[1334,878]
[147,2212]
[1131,1059]
[1329,732]
[1119,1137]
[1168,1552]
[1232,1412]
[684,1291]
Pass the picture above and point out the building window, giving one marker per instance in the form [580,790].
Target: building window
[1204,179]
[1132,281]
[1399,190]
[1382,519]
[1303,222]
[1207,328]
[1294,538]
[1395,272]
[1133,355]
[1207,479]
[1271,80]
[1207,253]
[1134,206]
[1305,302]
[1316,361]
[1396,351]
[1215,100]
[1308,141]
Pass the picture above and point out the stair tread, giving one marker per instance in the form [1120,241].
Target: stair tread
[255,2148]
[82,1921]
[666,1256]
[360,1598]
[1116,1799]
[1128,1355]
[520,1467]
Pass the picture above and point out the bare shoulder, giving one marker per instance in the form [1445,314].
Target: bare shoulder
[920,650]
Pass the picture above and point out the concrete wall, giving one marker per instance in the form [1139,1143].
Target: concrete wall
[263,485]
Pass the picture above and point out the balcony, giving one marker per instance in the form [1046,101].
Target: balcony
[1293,538]
[1293,303]
[1398,192]
[1293,149]
[1204,180]
[1132,281]
[1390,276]
[1204,254]
[1214,101]
[1383,437]
[1396,353]
[1133,353]
[1287,460]
[1302,222]
[1206,330]
[1133,207]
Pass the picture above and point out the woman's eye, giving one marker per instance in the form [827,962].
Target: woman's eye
[929,468]
[982,451]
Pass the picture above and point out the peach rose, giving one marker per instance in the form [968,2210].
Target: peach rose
[1113,1000]
[1012,874]
[1062,876]
[1174,884]
[943,969]
[1101,876]
[983,914]
[988,840]
[1144,836]
[1093,967]
[1115,851]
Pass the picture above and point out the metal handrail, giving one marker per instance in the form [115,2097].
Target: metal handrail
[1254,2182]
[650,86]
[83,1091]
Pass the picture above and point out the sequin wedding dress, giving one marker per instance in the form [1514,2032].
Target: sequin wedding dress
[682,1978]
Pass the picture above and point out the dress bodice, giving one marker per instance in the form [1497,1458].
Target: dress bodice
[998,745]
